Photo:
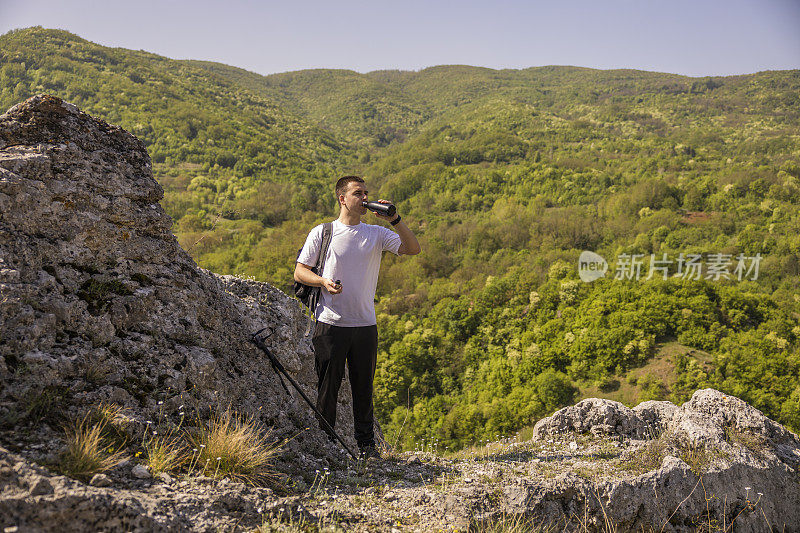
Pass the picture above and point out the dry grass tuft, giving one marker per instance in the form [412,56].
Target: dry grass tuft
[753,442]
[235,447]
[42,405]
[699,456]
[88,451]
[111,414]
[294,522]
[647,458]
[165,453]
[514,523]
[112,418]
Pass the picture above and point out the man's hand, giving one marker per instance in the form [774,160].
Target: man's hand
[304,274]
[331,286]
[384,217]
[408,242]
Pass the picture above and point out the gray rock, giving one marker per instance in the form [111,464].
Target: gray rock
[732,447]
[592,415]
[100,299]
[41,486]
[709,416]
[100,480]
[655,415]
[141,472]
[75,506]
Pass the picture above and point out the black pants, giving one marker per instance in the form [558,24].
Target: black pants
[358,346]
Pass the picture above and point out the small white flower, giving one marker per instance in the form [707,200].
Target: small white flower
[160,403]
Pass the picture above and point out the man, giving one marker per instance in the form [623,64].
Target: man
[346,329]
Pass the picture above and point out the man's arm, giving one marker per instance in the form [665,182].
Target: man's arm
[408,242]
[304,275]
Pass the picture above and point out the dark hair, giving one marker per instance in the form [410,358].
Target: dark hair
[341,185]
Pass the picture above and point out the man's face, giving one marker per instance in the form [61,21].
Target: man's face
[354,197]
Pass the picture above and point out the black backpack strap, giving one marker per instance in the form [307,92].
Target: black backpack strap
[327,234]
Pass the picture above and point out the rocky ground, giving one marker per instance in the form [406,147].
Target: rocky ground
[99,306]
[713,464]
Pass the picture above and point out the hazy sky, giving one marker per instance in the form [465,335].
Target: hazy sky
[694,37]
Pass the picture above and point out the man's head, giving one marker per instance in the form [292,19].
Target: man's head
[351,191]
[343,183]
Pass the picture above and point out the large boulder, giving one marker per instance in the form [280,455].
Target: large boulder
[593,415]
[100,303]
[715,459]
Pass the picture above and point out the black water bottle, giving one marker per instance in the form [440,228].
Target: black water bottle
[388,210]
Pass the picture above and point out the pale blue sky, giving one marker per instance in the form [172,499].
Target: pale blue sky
[697,37]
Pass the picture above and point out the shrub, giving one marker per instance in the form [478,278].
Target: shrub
[554,389]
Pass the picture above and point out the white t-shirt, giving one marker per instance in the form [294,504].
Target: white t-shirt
[354,257]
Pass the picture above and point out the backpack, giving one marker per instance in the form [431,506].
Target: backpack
[308,295]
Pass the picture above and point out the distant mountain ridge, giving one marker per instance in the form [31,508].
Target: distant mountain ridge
[372,109]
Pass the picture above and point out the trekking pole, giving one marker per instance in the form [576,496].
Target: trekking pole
[258,340]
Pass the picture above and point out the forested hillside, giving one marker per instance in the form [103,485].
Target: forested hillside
[506,177]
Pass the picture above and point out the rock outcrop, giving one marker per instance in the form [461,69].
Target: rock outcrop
[709,460]
[99,303]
